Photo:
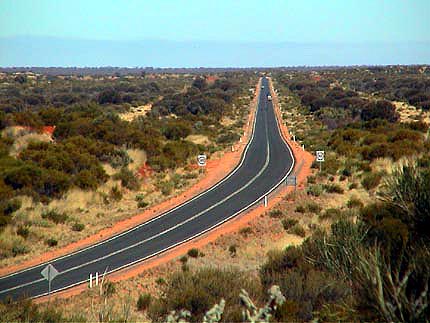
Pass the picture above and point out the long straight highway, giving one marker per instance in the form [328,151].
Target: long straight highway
[265,163]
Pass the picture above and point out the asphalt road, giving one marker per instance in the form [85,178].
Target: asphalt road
[266,161]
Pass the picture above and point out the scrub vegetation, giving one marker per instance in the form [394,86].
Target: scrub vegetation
[360,226]
[80,144]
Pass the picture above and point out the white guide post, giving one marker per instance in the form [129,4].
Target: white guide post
[97,278]
[91,280]
[265,201]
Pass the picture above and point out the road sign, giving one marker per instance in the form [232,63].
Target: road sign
[320,155]
[291,180]
[49,273]
[201,160]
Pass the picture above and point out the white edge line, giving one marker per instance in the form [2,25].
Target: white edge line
[160,215]
[204,231]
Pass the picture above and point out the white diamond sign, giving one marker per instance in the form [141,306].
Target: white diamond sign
[201,160]
[49,272]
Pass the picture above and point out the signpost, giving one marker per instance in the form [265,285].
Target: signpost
[49,273]
[320,157]
[201,160]
[292,181]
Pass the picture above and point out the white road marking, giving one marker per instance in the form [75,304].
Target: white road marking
[158,216]
[195,216]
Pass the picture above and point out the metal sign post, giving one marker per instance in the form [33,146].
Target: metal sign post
[320,154]
[49,273]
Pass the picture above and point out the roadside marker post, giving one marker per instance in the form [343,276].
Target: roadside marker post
[91,280]
[49,273]
[97,278]
[320,157]
[265,201]
[292,181]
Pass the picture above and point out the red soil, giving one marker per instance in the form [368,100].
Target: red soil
[213,175]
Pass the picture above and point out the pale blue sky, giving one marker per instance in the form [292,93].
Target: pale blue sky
[373,22]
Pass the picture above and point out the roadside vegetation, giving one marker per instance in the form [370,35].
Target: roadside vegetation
[353,245]
[66,148]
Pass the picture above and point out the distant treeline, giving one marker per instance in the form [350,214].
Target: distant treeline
[109,70]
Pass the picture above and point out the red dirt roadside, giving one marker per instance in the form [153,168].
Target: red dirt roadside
[214,174]
[216,170]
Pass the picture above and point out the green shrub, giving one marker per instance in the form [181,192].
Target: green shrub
[276,213]
[51,242]
[23,231]
[128,179]
[313,207]
[311,179]
[143,302]
[352,186]
[315,190]
[142,204]
[183,259]
[354,202]
[198,291]
[19,249]
[330,214]
[160,281]
[298,230]
[55,216]
[115,193]
[232,250]
[371,180]
[245,231]
[78,226]
[193,252]
[333,188]
[287,224]
[300,209]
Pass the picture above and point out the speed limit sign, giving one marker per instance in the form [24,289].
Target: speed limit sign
[320,155]
[201,160]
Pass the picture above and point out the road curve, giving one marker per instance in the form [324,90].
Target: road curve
[265,163]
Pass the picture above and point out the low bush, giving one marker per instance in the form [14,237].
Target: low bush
[276,213]
[313,207]
[232,250]
[128,179]
[352,186]
[51,242]
[23,231]
[333,188]
[142,204]
[315,190]
[78,226]
[115,193]
[311,179]
[300,209]
[19,249]
[330,214]
[298,230]
[371,180]
[55,216]
[287,224]
[354,202]
[198,291]
[143,302]
[193,252]
[245,231]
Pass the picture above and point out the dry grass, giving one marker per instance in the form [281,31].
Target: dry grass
[22,137]
[410,113]
[136,112]
[199,139]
